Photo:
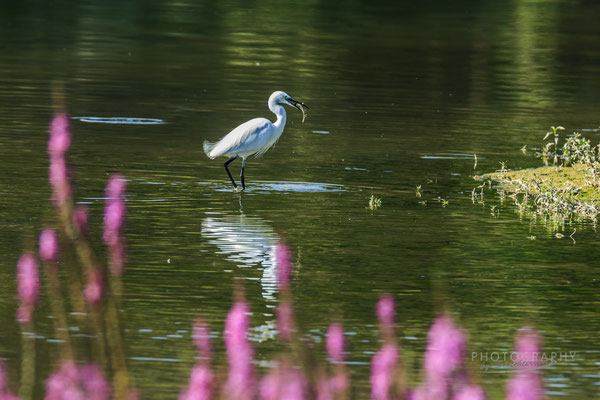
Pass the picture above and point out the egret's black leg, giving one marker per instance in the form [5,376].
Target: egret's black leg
[229,173]
[242,174]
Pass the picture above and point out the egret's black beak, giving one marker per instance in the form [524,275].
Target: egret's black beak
[298,104]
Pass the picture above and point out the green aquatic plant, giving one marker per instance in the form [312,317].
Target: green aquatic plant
[374,203]
[565,192]
[554,131]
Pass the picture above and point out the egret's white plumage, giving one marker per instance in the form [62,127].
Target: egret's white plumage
[253,137]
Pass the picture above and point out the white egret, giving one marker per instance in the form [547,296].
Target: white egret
[254,137]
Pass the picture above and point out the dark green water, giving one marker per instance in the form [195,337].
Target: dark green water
[399,96]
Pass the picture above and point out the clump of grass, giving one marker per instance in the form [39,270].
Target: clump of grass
[564,192]
[374,203]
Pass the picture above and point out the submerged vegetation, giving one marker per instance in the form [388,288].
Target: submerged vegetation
[565,190]
[86,294]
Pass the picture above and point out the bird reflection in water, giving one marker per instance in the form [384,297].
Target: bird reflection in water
[247,242]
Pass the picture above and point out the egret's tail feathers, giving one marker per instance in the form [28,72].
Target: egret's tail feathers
[208,148]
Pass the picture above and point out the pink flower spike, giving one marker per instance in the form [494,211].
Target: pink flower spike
[201,384]
[71,382]
[525,385]
[283,259]
[63,381]
[60,137]
[324,390]
[49,245]
[115,188]
[201,338]
[24,314]
[28,279]
[240,384]
[285,320]
[446,346]
[470,392]
[80,219]
[269,386]
[114,219]
[293,385]
[383,371]
[93,382]
[335,342]
[527,349]
[95,287]
[385,311]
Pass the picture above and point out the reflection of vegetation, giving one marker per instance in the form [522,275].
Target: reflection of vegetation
[560,193]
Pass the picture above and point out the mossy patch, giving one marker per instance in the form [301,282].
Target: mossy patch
[570,181]
[558,194]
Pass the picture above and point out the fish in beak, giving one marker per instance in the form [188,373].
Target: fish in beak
[300,106]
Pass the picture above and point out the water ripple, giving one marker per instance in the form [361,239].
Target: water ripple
[121,120]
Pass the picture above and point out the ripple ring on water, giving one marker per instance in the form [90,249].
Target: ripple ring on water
[121,120]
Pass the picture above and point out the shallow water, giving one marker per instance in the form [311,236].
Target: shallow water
[399,97]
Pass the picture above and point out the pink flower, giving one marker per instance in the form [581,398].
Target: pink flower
[201,384]
[241,384]
[269,386]
[293,385]
[60,137]
[283,258]
[335,342]
[324,390]
[383,371]
[527,349]
[28,279]
[385,311]
[201,338]
[285,320]
[115,188]
[49,245]
[446,346]
[80,219]
[95,287]
[284,383]
[94,383]
[71,382]
[114,219]
[339,382]
[525,385]
[470,392]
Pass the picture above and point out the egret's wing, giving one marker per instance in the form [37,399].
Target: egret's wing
[248,138]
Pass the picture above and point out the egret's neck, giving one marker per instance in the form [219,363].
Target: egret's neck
[279,111]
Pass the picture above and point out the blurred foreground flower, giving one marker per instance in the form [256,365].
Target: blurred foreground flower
[114,222]
[28,286]
[241,383]
[49,245]
[526,384]
[73,382]
[283,258]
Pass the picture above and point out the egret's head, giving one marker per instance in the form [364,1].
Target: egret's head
[282,98]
